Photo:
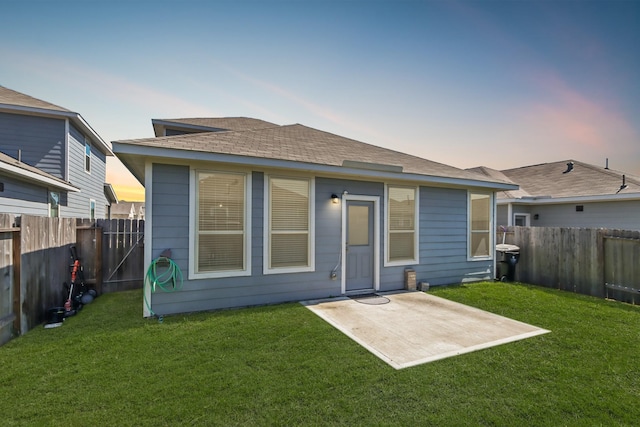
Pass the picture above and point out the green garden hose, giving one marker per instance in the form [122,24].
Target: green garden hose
[163,273]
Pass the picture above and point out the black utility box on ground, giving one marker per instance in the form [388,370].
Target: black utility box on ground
[507,257]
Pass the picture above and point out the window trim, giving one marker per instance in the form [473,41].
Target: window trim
[92,209]
[416,222]
[51,192]
[193,208]
[266,246]
[87,156]
[490,232]
[526,216]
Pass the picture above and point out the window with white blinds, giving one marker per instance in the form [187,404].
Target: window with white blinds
[288,222]
[480,225]
[402,219]
[221,222]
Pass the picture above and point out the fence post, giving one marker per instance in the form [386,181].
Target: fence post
[17,249]
[597,267]
[98,259]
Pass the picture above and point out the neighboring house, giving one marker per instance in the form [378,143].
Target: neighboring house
[112,199]
[568,193]
[128,210]
[283,213]
[52,163]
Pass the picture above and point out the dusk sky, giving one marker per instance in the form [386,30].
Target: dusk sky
[467,83]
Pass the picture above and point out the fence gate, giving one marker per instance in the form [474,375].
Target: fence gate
[117,245]
[622,268]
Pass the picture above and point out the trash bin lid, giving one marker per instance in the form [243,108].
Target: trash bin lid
[505,247]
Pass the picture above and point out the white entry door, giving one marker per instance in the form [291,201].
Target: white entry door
[360,244]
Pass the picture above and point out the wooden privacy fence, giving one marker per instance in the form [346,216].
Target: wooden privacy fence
[580,260]
[112,253]
[34,265]
[35,261]
[9,278]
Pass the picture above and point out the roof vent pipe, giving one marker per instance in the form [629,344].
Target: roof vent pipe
[606,163]
[624,184]
[569,167]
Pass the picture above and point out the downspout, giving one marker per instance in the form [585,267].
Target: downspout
[495,227]
[509,214]
[148,227]
[67,157]
[66,149]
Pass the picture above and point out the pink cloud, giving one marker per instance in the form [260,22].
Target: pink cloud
[571,116]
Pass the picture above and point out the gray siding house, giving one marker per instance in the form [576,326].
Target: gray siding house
[282,213]
[568,193]
[52,163]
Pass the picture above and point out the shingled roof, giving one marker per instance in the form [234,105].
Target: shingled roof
[11,97]
[23,171]
[302,144]
[209,124]
[500,176]
[558,180]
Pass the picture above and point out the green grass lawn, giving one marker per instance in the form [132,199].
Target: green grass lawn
[283,365]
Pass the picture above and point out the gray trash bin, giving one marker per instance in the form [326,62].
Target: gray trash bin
[507,257]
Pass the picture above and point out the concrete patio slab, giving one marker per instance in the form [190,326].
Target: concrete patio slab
[410,328]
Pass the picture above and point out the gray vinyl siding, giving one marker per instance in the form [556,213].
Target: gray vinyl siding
[170,230]
[443,245]
[623,215]
[502,215]
[91,184]
[21,197]
[174,132]
[444,239]
[41,140]
[170,207]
